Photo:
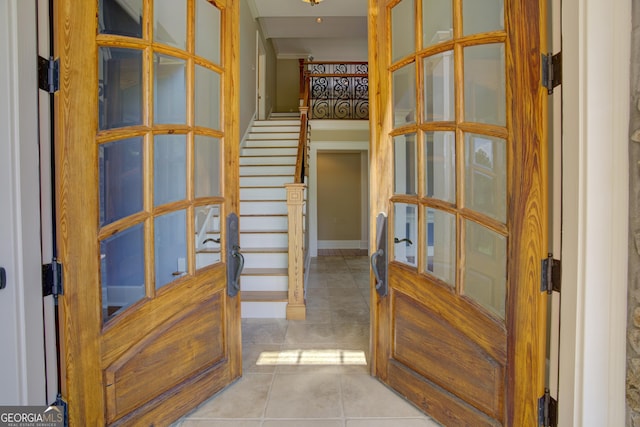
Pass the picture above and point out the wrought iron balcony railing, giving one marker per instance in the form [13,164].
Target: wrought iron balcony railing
[338,90]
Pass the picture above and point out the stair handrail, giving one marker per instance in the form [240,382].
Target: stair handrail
[301,160]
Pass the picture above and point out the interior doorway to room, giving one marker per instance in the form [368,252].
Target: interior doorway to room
[342,200]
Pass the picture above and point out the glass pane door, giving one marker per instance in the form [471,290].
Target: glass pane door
[159,144]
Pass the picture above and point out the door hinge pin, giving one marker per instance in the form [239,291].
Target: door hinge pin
[52,279]
[48,74]
[551,71]
[551,275]
[547,410]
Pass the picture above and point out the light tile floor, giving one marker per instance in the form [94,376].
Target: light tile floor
[312,373]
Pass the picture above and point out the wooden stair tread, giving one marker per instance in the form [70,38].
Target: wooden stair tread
[208,251]
[265,296]
[265,272]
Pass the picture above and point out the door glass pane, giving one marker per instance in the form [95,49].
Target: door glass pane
[207,166]
[170,247]
[169,168]
[405,227]
[122,17]
[122,270]
[404,95]
[486,175]
[441,245]
[170,23]
[481,16]
[120,168]
[119,87]
[208,31]
[484,84]
[437,21]
[439,164]
[403,36]
[439,97]
[170,94]
[405,159]
[207,222]
[485,269]
[207,98]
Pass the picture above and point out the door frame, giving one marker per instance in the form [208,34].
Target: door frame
[23,370]
[596,37]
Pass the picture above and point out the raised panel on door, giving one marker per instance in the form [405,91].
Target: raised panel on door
[147,112]
[459,167]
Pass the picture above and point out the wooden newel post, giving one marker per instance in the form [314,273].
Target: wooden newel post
[296,308]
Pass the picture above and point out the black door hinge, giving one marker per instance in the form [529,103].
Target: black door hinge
[48,74]
[551,275]
[551,71]
[52,279]
[62,407]
[547,410]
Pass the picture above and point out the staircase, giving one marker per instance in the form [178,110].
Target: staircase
[267,162]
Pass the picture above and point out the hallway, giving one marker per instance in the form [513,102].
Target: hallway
[312,373]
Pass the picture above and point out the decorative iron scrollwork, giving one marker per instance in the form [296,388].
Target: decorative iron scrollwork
[339,96]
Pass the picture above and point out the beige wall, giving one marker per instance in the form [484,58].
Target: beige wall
[339,196]
[288,85]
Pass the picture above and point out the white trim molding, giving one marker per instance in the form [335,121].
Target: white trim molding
[596,38]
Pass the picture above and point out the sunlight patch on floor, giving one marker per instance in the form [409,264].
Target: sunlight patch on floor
[312,357]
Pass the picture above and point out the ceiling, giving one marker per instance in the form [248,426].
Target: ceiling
[292,27]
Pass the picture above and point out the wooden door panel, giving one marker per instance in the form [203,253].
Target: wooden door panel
[149,315]
[439,352]
[443,406]
[463,341]
[485,332]
[164,358]
[147,335]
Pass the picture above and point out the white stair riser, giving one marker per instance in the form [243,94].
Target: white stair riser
[264,283]
[205,259]
[282,128]
[271,160]
[263,208]
[266,223]
[264,240]
[270,151]
[266,170]
[273,135]
[265,181]
[265,260]
[259,310]
[284,121]
[266,143]
[264,193]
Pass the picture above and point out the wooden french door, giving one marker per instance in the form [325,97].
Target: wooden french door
[146,177]
[458,166]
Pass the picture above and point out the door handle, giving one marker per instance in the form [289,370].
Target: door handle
[3,278]
[235,260]
[379,259]
[396,240]
[239,264]
[376,271]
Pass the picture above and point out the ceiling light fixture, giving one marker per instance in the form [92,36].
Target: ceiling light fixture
[312,2]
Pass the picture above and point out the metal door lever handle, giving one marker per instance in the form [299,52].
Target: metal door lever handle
[396,240]
[374,267]
[3,278]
